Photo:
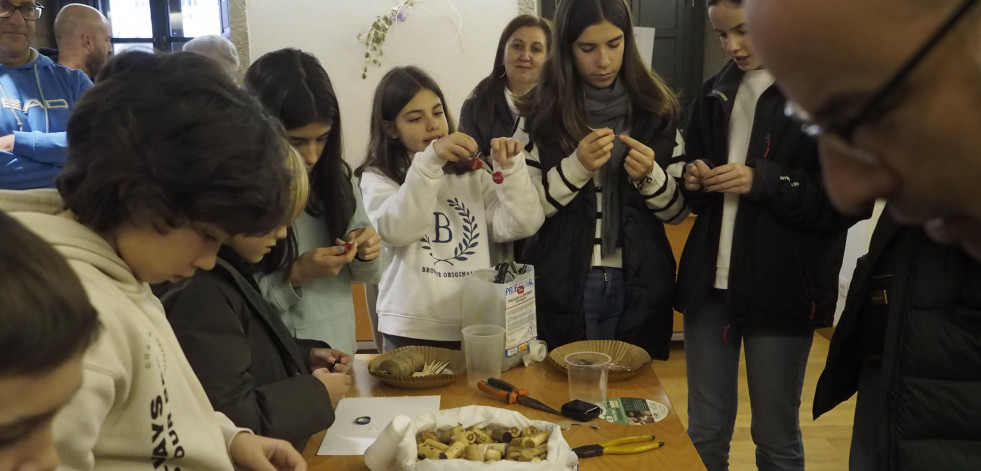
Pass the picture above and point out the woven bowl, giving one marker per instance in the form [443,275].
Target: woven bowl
[457,364]
[627,359]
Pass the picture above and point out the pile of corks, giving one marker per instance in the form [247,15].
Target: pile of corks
[491,443]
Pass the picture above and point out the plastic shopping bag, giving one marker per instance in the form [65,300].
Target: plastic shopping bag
[504,297]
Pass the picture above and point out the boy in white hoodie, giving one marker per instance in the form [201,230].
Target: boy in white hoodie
[162,167]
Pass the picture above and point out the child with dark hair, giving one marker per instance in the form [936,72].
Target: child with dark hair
[603,127]
[440,219]
[48,323]
[252,368]
[312,289]
[162,168]
[759,271]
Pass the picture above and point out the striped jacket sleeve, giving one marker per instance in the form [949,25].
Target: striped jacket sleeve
[662,188]
[559,185]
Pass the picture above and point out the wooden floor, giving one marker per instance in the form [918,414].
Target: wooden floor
[826,441]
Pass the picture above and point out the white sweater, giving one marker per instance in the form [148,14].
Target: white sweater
[140,407]
[438,229]
[750,89]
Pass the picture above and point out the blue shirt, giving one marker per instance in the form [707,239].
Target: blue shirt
[37,98]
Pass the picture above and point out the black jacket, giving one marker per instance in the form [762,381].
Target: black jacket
[251,368]
[484,125]
[930,401]
[788,240]
[562,250]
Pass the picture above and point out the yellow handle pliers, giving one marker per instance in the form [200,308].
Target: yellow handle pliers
[620,446]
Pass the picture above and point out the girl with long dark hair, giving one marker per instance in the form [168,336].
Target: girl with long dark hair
[439,219]
[603,128]
[336,243]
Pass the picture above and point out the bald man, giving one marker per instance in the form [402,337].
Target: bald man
[892,91]
[82,33]
[916,143]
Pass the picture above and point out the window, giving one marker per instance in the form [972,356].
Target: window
[163,25]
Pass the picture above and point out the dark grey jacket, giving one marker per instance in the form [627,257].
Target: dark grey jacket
[930,401]
[252,369]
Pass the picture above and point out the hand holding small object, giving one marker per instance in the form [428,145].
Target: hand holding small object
[455,147]
[729,178]
[368,243]
[334,360]
[321,262]
[477,163]
[695,173]
[503,149]
[594,149]
[639,161]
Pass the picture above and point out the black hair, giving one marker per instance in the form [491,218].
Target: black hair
[555,105]
[395,90]
[492,86]
[295,88]
[46,318]
[169,139]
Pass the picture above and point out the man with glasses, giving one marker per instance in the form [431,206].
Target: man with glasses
[892,91]
[37,96]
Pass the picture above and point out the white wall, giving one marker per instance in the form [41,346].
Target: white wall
[428,38]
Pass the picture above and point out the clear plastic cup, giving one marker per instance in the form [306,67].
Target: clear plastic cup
[483,346]
[588,372]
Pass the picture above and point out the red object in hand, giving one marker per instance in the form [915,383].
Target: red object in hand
[348,246]
[476,163]
[498,177]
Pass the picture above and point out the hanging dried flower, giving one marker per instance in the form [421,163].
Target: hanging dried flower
[374,39]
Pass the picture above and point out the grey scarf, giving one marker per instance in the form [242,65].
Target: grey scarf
[609,108]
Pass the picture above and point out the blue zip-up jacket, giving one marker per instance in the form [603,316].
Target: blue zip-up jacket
[37,98]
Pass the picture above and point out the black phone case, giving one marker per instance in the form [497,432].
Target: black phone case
[580,410]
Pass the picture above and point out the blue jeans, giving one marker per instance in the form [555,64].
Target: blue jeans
[604,299]
[865,428]
[775,364]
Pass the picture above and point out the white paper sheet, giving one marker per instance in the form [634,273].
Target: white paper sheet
[345,437]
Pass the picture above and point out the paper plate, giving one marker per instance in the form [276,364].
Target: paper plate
[627,359]
[457,364]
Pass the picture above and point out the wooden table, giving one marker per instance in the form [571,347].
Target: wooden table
[550,386]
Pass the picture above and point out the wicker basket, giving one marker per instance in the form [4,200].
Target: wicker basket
[627,359]
[457,364]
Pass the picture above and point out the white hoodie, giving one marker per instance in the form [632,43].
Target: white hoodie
[141,406]
[438,229]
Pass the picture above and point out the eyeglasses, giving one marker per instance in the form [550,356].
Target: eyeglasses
[874,106]
[30,11]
